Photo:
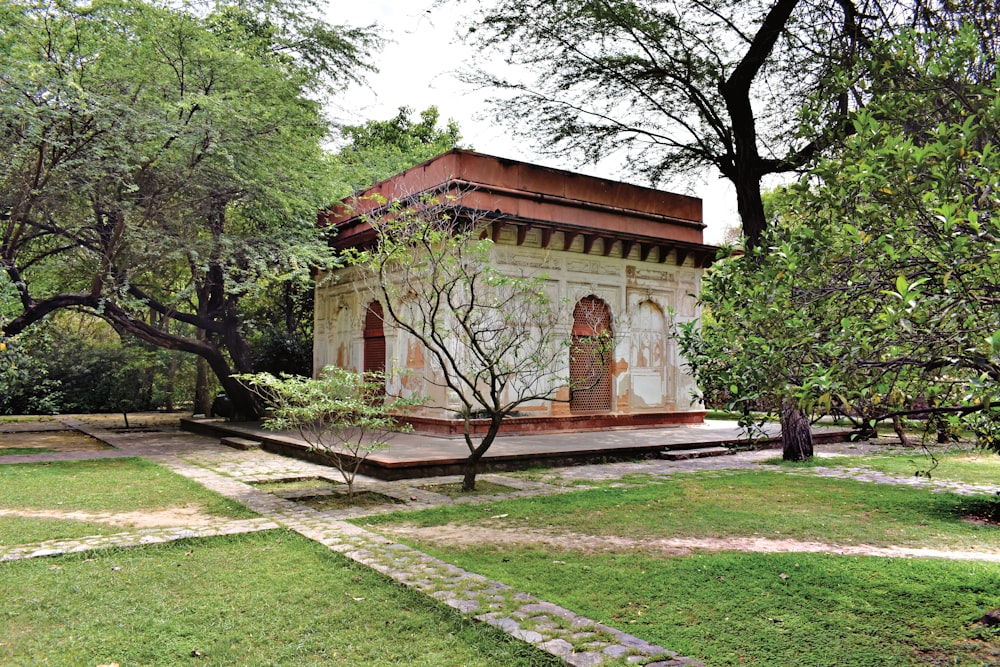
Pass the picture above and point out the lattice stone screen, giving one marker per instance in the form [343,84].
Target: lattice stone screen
[590,357]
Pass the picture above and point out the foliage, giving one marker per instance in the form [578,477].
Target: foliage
[78,364]
[875,294]
[164,161]
[278,318]
[379,149]
[729,609]
[274,350]
[341,414]
[496,336]
[742,88]
[959,465]
[744,504]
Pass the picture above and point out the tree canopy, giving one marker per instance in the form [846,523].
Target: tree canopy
[163,161]
[875,293]
[378,149]
[746,89]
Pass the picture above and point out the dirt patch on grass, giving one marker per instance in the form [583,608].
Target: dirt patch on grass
[49,441]
[166,517]
[339,501]
[463,536]
[981,520]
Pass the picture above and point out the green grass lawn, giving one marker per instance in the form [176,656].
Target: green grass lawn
[736,608]
[732,608]
[750,503]
[271,598]
[107,485]
[18,451]
[972,467]
[275,598]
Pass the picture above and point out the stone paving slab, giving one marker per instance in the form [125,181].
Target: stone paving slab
[132,539]
[409,455]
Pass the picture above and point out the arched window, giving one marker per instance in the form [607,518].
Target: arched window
[374,335]
[590,357]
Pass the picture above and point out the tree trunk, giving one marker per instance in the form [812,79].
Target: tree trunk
[796,433]
[469,477]
[245,404]
[750,206]
[897,426]
[472,463]
[747,167]
[202,397]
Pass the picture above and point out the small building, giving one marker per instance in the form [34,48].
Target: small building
[634,254]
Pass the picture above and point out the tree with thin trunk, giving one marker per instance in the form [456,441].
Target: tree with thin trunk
[342,416]
[496,337]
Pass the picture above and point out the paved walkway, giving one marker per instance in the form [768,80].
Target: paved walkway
[232,473]
[420,455]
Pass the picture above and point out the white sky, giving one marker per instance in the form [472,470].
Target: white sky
[416,69]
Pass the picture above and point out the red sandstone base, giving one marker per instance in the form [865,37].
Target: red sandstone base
[570,424]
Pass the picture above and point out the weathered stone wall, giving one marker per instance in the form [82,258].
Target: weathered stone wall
[646,297]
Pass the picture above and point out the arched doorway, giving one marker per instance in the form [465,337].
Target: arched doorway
[590,357]
[649,370]
[374,335]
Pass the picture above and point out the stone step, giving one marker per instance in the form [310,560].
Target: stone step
[696,453]
[240,443]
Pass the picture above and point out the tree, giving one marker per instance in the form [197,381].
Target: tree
[497,339]
[747,89]
[279,318]
[342,415]
[875,293]
[161,164]
[378,149]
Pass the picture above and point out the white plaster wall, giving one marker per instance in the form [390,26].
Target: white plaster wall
[645,298]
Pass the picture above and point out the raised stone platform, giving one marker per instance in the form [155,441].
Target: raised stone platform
[412,455]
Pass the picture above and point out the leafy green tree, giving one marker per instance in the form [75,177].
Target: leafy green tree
[745,89]
[876,291]
[342,415]
[162,162]
[78,363]
[379,149]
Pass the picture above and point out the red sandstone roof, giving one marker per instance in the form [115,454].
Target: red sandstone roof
[508,192]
